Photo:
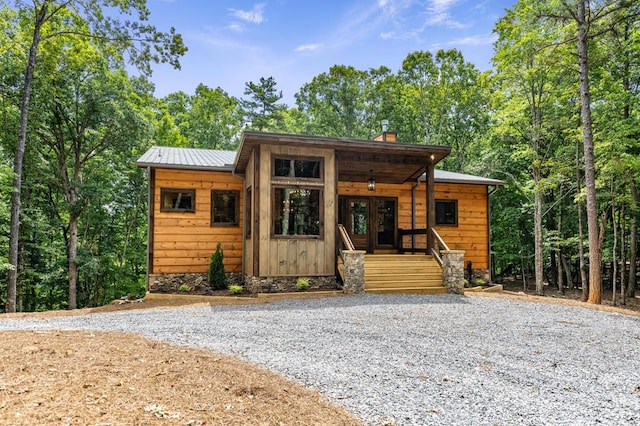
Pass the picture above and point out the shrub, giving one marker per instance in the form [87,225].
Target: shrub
[183,288]
[302,284]
[217,277]
[236,289]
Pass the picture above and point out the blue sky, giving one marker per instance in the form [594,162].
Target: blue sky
[233,42]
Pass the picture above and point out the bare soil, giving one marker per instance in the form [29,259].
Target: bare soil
[98,378]
[87,377]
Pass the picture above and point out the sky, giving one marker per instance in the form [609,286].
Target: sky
[234,42]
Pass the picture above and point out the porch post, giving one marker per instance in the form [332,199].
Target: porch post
[431,204]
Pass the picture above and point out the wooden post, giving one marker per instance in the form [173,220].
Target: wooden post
[431,205]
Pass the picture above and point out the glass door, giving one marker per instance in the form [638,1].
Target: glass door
[359,222]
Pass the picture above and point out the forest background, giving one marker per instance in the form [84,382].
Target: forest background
[557,120]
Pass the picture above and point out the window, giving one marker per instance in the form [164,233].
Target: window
[297,211]
[224,207]
[447,212]
[177,200]
[305,168]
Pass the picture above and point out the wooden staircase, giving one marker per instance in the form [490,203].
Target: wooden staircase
[398,273]
[401,273]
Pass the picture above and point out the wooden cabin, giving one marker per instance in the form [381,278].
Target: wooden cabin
[277,206]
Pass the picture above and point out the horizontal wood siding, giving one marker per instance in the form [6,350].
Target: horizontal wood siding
[297,256]
[184,242]
[472,232]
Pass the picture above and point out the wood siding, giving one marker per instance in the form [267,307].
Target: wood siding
[472,232]
[184,242]
[288,256]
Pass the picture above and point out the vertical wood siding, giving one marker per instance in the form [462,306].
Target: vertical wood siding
[297,256]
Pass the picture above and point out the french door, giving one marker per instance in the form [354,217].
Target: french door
[371,222]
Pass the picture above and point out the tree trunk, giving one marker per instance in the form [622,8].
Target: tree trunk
[584,283]
[14,231]
[633,242]
[623,257]
[595,249]
[538,242]
[614,266]
[73,265]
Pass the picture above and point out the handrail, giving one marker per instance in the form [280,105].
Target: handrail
[439,239]
[439,245]
[344,236]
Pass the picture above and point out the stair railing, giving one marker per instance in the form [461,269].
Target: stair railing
[439,246]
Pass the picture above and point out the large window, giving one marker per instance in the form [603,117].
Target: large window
[297,211]
[447,212]
[225,206]
[177,200]
[305,168]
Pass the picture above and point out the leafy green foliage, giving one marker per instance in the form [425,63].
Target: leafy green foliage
[217,276]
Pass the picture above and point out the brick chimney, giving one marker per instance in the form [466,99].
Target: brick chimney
[386,136]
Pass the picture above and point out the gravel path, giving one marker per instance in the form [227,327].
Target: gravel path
[419,360]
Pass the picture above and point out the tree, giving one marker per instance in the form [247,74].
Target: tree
[262,108]
[142,44]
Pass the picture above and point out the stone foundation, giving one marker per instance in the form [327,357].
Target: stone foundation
[193,283]
[353,271]
[288,284]
[453,270]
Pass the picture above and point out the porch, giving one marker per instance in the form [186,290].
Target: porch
[402,272]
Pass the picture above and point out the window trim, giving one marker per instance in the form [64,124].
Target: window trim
[455,206]
[236,214]
[165,191]
[320,190]
[275,157]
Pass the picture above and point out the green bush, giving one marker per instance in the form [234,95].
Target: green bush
[236,289]
[184,288]
[302,284]
[217,277]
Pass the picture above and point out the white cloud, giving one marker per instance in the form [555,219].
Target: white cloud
[477,40]
[308,47]
[438,13]
[253,16]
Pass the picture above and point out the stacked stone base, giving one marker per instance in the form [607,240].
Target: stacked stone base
[288,284]
[196,283]
[193,283]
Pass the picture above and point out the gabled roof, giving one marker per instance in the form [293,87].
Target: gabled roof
[187,158]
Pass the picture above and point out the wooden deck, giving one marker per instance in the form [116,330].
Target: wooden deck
[402,273]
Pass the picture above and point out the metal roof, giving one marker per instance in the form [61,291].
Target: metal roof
[187,158]
[210,159]
[443,176]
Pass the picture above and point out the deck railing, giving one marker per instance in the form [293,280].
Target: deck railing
[345,240]
[439,245]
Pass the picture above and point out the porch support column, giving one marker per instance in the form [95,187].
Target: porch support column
[353,271]
[431,204]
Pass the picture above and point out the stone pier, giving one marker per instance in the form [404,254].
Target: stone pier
[353,271]
[453,270]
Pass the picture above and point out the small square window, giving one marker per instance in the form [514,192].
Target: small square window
[224,207]
[447,212]
[178,200]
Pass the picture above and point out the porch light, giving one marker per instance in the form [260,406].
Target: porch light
[371,183]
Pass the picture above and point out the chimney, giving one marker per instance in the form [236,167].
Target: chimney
[386,136]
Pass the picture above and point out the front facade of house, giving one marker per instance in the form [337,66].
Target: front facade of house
[276,204]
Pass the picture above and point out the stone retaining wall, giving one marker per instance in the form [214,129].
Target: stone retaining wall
[288,284]
[193,283]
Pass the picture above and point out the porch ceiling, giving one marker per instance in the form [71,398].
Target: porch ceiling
[390,162]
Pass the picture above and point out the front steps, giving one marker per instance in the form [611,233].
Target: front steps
[402,273]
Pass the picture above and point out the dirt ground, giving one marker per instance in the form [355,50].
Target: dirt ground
[98,378]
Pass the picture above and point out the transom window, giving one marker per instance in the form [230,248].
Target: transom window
[177,200]
[447,212]
[305,168]
[297,211]
[225,206]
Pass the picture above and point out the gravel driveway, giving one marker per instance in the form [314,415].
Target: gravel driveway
[419,360]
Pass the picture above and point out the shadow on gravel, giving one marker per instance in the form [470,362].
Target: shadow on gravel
[350,302]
